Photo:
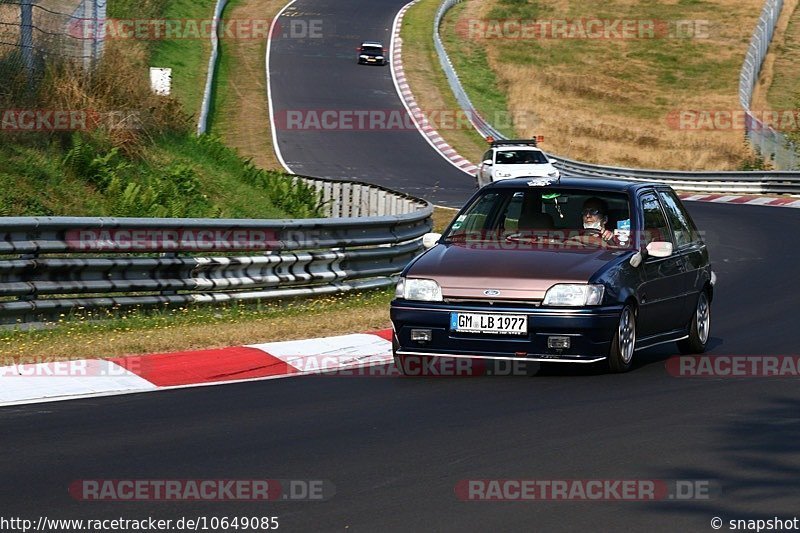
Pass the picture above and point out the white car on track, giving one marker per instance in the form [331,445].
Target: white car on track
[513,159]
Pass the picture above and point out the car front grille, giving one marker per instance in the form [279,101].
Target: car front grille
[493,304]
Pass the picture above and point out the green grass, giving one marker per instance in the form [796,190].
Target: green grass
[159,170]
[178,176]
[188,58]
[478,79]
[417,33]
[221,96]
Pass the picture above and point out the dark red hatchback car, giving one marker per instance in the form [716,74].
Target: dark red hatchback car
[571,270]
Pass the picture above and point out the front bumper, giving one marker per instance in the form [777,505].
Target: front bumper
[590,330]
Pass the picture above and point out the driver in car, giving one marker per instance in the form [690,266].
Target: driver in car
[594,216]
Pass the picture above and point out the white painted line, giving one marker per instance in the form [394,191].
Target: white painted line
[275,145]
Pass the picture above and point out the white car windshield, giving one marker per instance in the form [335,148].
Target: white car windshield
[521,157]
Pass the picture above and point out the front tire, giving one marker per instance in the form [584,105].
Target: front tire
[620,357]
[699,327]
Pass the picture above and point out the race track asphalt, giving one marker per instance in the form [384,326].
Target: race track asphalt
[319,74]
[395,448]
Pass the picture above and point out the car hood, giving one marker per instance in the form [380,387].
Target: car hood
[466,271]
[538,170]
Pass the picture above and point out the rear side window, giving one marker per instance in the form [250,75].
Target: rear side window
[488,156]
[655,225]
[682,224]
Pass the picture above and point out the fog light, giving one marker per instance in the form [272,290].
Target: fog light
[421,335]
[558,343]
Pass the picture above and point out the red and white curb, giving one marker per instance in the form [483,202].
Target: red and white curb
[407,97]
[66,380]
[747,199]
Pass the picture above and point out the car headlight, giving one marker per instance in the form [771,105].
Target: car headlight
[378,57]
[425,290]
[364,56]
[574,295]
[553,174]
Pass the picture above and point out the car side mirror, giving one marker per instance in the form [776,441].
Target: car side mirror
[488,162]
[553,161]
[655,248]
[429,240]
[659,249]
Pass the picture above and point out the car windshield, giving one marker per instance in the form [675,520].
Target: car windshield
[554,216]
[520,157]
[372,50]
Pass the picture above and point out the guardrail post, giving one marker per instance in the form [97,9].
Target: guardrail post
[168,255]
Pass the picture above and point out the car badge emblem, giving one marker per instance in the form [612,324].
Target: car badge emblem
[491,292]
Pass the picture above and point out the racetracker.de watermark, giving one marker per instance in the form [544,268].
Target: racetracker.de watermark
[191,29]
[59,120]
[210,490]
[705,120]
[372,120]
[734,366]
[586,489]
[170,240]
[413,365]
[582,29]
[43,367]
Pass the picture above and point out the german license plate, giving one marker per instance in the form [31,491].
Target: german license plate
[489,323]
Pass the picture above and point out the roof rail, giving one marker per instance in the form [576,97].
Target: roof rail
[511,142]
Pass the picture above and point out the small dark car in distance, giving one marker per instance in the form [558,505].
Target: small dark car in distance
[571,270]
[372,52]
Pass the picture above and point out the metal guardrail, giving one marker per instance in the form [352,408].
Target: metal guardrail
[772,145]
[50,266]
[744,182]
[755,182]
[202,122]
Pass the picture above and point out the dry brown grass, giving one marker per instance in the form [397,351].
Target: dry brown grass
[243,122]
[118,87]
[590,109]
[607,101]
[171,338]
[781,73]
[442,216]
[9,20]
[776,49]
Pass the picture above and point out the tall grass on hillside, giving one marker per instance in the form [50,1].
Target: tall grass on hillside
[137,154]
